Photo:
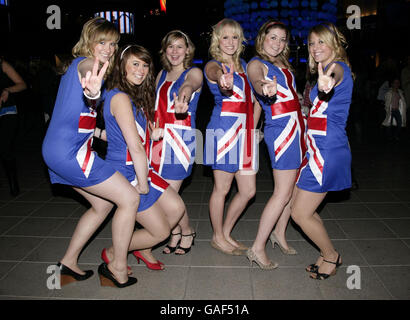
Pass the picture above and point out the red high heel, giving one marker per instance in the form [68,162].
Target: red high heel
[153,266]
[104,258]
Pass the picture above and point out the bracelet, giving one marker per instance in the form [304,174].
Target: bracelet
[93,98]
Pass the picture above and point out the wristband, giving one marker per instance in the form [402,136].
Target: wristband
[93,98]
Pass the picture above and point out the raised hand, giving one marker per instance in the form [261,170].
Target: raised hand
[226,79]
[92,81]
[325,81]
[269,88]
[157,133]
[181,103]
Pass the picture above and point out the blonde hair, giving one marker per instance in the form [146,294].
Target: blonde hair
[334,39]
[167,40]
[260,39]
[214,49]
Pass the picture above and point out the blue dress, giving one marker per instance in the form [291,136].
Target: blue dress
[173,156]
[326,166]
[67,145]
[284,131]
[119,158]
[230,143]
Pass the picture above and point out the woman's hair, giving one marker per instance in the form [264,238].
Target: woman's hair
[167,40]
[334,39]
[260,39]
[94,31]
[214,49]
[143,95]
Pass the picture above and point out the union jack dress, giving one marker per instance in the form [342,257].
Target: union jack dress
[67,145]
[326,166]
[119,158]
[230,143]
[284,131]
[173,156]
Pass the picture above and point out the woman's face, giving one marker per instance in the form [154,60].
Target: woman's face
[136,70]
[176,52]
[320,51]
[275,41]
[229,41]
[104,50]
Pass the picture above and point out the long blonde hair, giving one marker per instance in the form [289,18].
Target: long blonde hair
[167,40]
[334,39]
[214,49]
[260,38]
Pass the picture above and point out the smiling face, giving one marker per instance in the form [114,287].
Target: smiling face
[319,50]
[275,42]
[176,52]
[136,70]
[229,41]
[104,50]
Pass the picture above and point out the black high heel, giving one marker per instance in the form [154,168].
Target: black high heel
[107,279]
[323,276]
[313,267]
[172,249]
[67,275]
[186,250]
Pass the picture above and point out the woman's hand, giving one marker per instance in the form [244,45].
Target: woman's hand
[4,96]
[325,82]
[142,188]
[157,133]
[181,103]
[92,81]
[269,88]
[226,79]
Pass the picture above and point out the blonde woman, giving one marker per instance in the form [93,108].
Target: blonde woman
[71,161]
[326,166]
[273,82]
[230,147]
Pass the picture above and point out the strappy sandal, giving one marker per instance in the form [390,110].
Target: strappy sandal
[313,267]
[172,249]
[323,276]
[186,250]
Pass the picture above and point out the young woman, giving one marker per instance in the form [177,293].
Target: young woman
[178,86]
[128,104]
[71,161]
[326,166]
[274,85]
[230,146]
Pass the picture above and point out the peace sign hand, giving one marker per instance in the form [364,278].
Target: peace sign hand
[226,79]
[325,82]
[181,106]
[92,81]
[157,133]
[269,87]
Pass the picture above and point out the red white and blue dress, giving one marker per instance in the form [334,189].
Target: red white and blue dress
[173,156]
[284,131]
[230,143]
[327,165]
[67,145]
[119,158]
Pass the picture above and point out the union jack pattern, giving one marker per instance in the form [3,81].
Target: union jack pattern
[85,155]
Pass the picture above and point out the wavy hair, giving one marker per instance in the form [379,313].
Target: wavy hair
[334,39]
[214,49]
[260,39]
[143,95]
[167,40]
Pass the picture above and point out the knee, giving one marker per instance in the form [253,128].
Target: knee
[249,193]
[297,217]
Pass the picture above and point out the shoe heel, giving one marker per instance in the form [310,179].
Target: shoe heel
[105,282]
[66,279]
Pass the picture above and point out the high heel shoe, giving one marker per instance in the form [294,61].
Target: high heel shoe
[252,257]
[67,275]
[104,258]
[313,267]
[172,249]
[289,251]
[323,276]
[153,266]
[107,279]
[186,250]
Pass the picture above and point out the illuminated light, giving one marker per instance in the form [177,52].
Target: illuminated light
[123,20]
[163,4]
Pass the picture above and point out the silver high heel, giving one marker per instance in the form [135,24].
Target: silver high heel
[289,251]
[252,257]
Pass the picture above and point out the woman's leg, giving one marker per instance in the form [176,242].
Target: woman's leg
[284,182]
[222,185]
[246,190]
[303,213]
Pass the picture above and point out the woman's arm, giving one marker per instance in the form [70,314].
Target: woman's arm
[19,84]
[256,74]
[121,109]
[193,82]
[215,73]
